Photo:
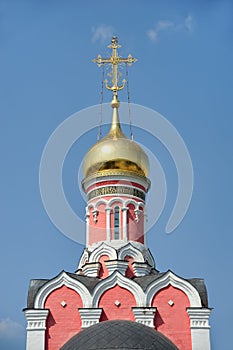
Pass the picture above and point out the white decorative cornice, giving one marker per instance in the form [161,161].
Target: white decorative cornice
[141,269]
[199,317]
[91,269]
[90,316]
[117,279]
[171,279]
[145,315]
[116,265]
[36,319]
[63,279]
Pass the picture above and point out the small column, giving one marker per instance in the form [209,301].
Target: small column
[200,329]
[145,315]
[90,316]
[36,327]
[125,228]
[108,223]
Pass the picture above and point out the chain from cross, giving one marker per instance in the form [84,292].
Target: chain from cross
[115,60]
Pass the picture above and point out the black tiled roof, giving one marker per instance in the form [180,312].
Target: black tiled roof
[119,334]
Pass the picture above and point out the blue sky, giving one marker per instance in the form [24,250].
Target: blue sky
[184,71]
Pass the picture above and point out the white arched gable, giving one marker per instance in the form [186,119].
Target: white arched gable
[99,202]
[130,250]
[103,249]
[116,199]
[118,279]
[84,258]
[149,258]
[62,280]
[135,203]
[171,279]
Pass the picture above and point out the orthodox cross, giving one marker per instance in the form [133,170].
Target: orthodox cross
[115,60]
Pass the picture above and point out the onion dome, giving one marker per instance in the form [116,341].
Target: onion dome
[119,334]
[115,152]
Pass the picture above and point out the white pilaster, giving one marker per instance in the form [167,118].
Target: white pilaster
[145,315]
[90,316]
[200,329]
[108,223]
[125,233]
[36,326]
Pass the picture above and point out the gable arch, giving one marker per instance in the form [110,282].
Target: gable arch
[171,279]
[103,249]
[118,279]
[130,250]
[62,280]
[84,258]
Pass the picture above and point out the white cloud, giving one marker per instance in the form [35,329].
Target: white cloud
[164,25]
[102,33]
[189,23]
[10,329]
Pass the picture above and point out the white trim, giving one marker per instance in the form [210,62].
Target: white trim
[84,259]
[141,269]
[36,327]
[130,250]
[90,316]
[200,329]
[62,280]
[116,265]
[103,249]
[171,279]
[124,223]
[117,279]
[91,269]
[108,224]
[145,315]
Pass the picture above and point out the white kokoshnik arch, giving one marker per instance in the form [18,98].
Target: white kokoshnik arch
[62,280]
[103,249]
[114,279]
[130,250]
[171,279]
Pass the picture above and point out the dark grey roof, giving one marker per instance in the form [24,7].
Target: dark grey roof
[119,334]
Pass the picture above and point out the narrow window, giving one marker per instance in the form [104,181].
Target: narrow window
[116,223]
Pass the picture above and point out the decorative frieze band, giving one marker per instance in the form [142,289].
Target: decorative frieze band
[90,316]
[36,319]
[199,318]
[144,315]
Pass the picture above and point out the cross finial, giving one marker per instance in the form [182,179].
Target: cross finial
[114,60]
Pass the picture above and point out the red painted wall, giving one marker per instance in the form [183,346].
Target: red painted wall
[97,230]
[173,321]
[103,270]
[113,312]
[135,229]
[129,271]
[62,322]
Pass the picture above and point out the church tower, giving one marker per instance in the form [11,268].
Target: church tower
[117,298]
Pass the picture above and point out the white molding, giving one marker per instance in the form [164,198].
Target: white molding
[90,316]
[141,269]
[84,259]
[145,315]
[171,279]
[130,250]
[91,269]
[103,249]
[117,279]
[116,265]
[200,329]
[36,327]
[62,280]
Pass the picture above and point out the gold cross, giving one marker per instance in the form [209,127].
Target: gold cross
[115,60]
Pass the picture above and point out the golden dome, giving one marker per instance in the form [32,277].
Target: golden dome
[115,153]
